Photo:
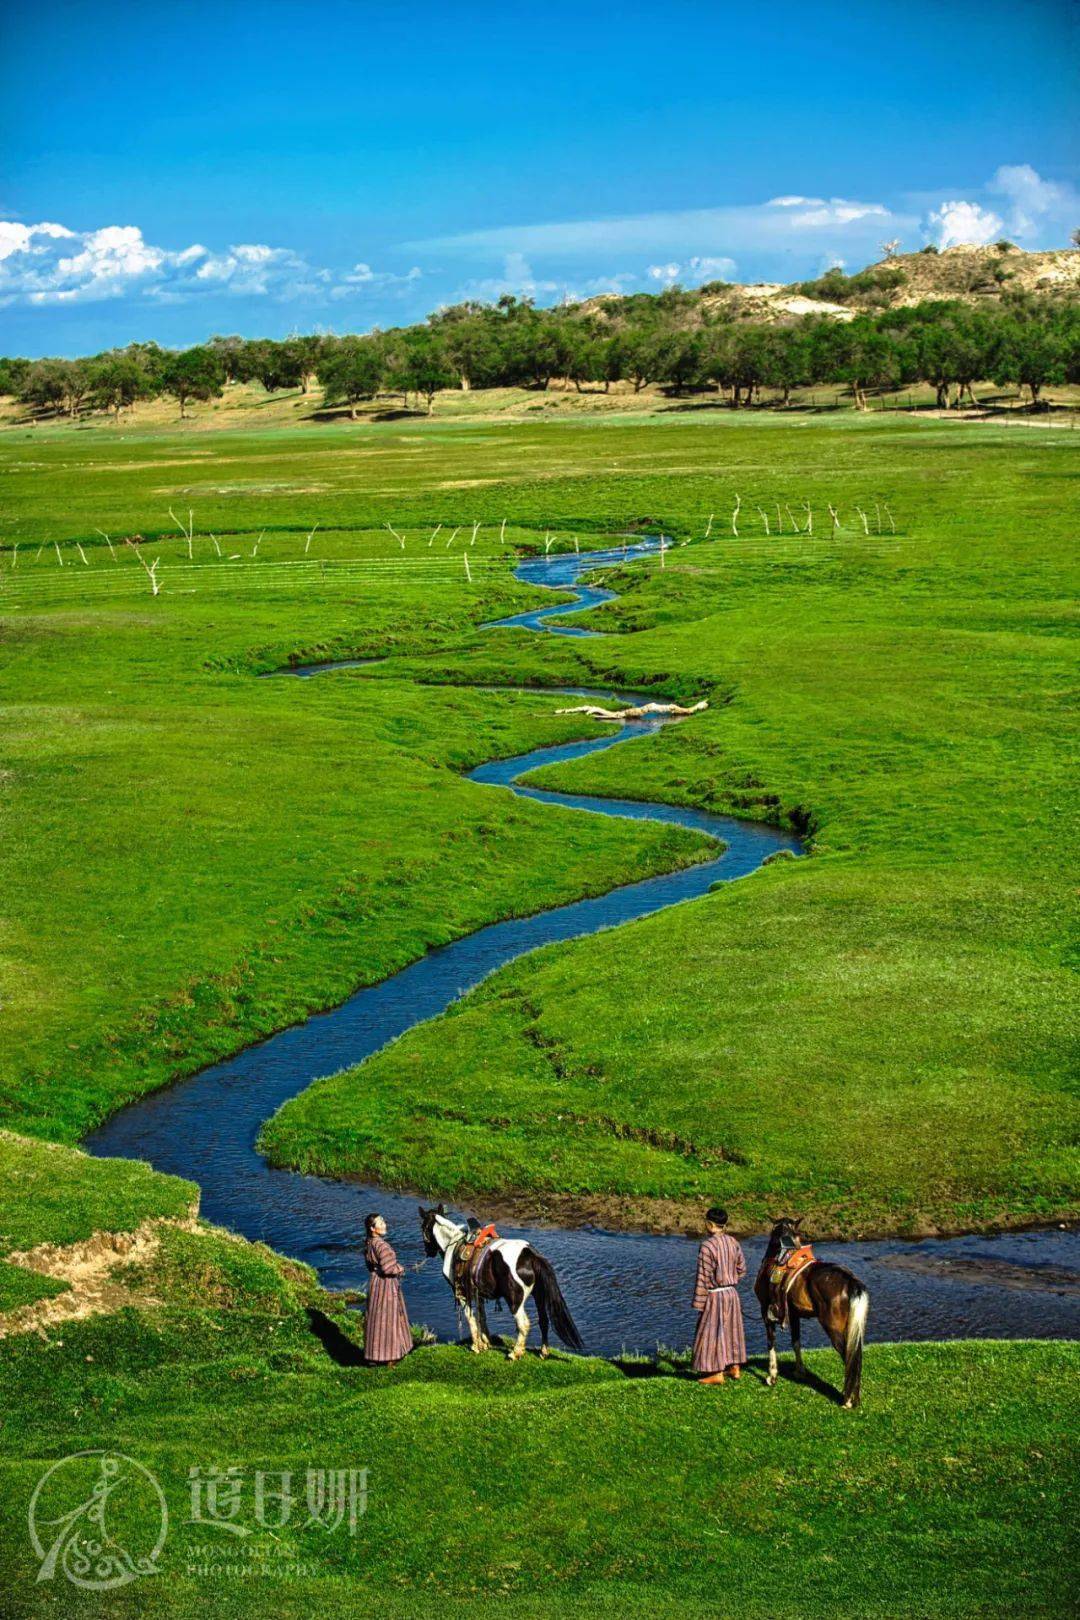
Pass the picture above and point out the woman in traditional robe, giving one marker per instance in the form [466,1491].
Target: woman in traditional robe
[719,1343]
[387,1336]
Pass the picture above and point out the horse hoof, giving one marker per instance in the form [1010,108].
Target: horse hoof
[544,1352]
[771,1381]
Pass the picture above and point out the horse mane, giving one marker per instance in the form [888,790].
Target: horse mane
[450,1229]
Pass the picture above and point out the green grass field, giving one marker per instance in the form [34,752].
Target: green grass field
[564,1488]
[879,1034]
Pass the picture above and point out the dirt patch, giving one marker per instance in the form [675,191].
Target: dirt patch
[88,1267]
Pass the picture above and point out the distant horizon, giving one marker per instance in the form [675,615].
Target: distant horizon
[349,172]
[316,330]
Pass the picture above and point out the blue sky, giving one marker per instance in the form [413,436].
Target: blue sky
[263,169]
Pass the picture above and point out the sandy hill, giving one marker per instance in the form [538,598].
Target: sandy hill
[977,275]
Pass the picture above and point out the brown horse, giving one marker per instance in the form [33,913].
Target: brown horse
[832,1294]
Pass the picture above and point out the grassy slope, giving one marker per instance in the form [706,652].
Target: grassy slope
[881,1035]
[53,1194]
[945,1495]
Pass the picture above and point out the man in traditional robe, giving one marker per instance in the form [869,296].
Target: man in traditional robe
[719,1343]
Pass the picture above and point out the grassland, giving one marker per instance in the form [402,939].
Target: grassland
[880,1032]
[565,1488]
[193,856]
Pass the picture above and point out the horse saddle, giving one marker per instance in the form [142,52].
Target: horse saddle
[782,1278]
[468,1260]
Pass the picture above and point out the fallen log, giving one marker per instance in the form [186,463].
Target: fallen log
[636,712]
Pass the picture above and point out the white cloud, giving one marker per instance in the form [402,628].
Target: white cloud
[50,264]
[784,225]
[957,222]
[1033,203]
[699,267]
[517,279]
[362,275]
[703,268]
[836,212]
[16,238]
[817,211]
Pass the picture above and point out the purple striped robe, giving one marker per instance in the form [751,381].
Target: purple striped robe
[386,1326]
[719,1341]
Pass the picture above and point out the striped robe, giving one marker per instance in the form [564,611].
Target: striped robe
[386,1326]
[719,1341]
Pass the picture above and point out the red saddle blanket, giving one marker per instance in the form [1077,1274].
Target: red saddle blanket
[468,1258]
[782,1277]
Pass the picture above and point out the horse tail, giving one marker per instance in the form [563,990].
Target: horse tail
[858,1311]
[549,1297]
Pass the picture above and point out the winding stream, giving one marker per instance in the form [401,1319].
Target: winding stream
[625,1290]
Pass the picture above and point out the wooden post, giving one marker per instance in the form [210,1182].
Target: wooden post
[59,559]
[108,542]
[453,537]
[764,518]
[735,516]
[82,553]
[468,570]
[708,529]
[307,542]
[434,532]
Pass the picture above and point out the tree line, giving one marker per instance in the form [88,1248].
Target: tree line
[674,340]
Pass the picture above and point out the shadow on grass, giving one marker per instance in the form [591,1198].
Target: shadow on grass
[755,1370]
[338,1346]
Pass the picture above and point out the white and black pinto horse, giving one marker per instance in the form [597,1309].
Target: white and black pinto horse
[507,1269]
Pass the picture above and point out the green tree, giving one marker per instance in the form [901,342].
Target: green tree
[300,357]
[351,370]
[57,385]
[196,373]
[117,381]
[1030,353]
[13,375]
[426,367]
